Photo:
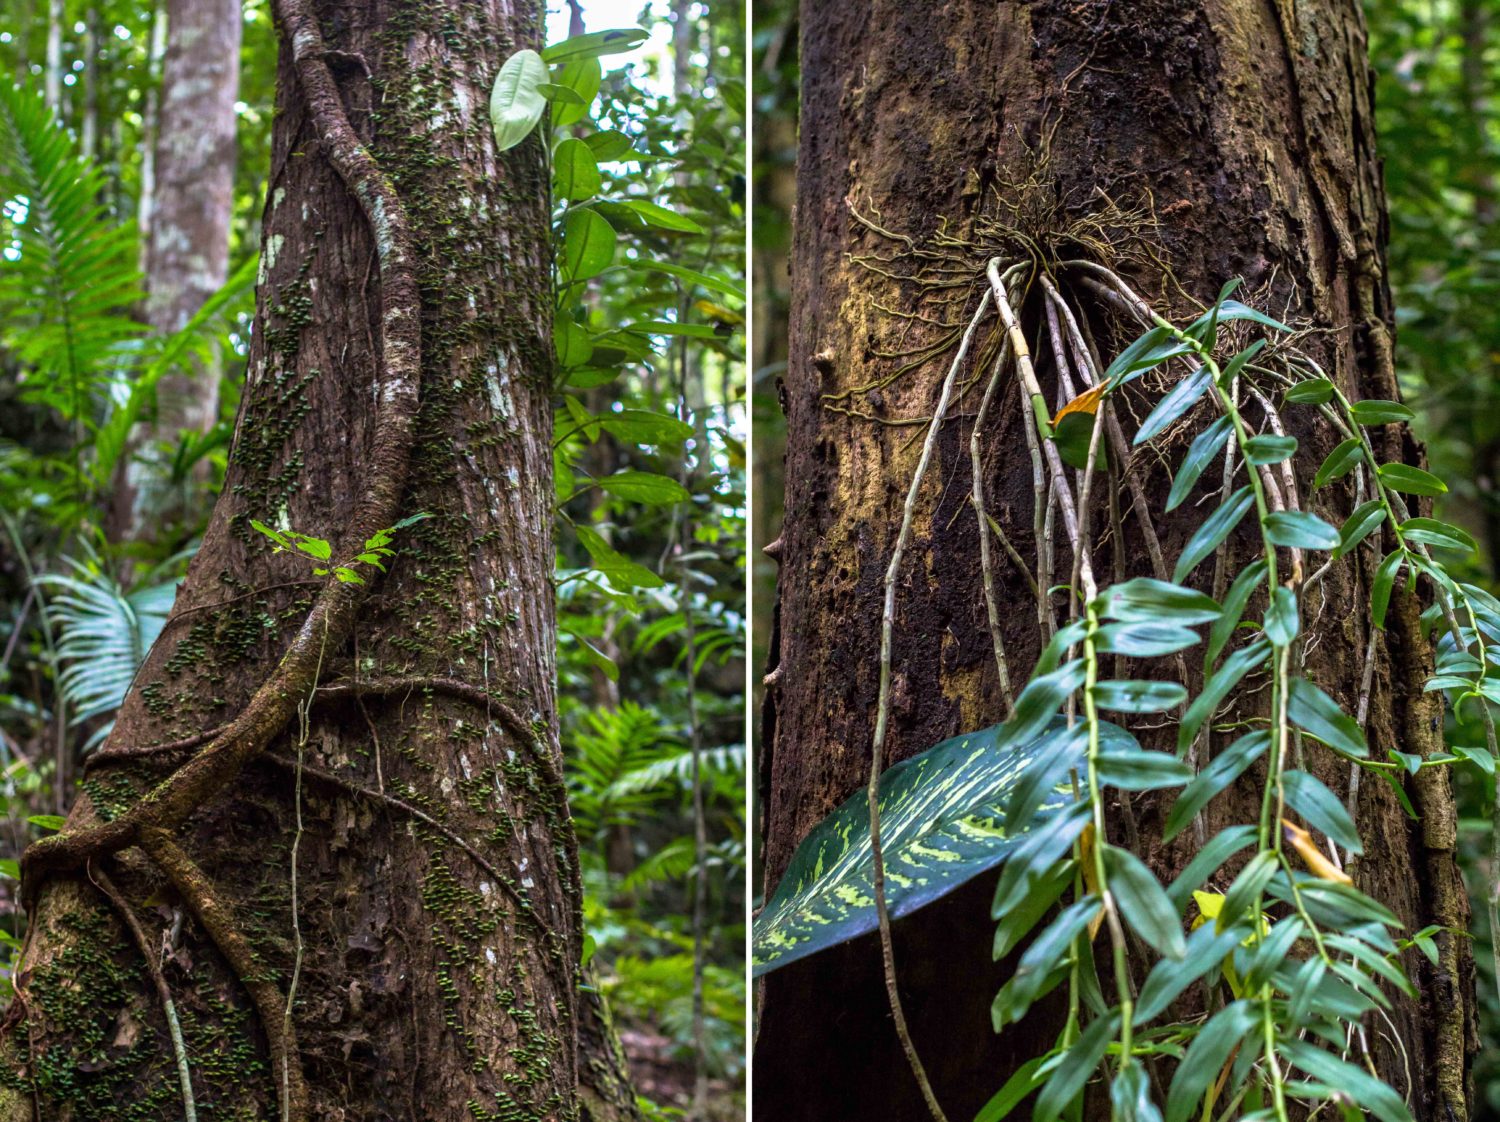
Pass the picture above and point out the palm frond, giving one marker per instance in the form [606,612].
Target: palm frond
[103,634]
[67,270]
[676,770]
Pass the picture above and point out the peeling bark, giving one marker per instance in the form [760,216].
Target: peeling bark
[1245,128]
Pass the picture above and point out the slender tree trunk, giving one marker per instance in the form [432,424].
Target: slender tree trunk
[395,924]
[1244,131]
[188,243]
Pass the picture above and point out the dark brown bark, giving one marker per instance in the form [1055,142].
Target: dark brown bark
[403,261]
[1246,128]
[187,250]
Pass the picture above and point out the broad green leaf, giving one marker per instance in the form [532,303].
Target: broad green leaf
[1340,462]
[1383,585]
[1036,855]
[1411,480]
[1318,715]
[1143,640]
[621,570]
[1311,391]
[575,172]
[1216,527]
[1320,808]
[1375,412]
[583,76]
[692,277]
[1078,1063]
[1183,396]
[1206,1056]
[641,426]
[1269,448]
[644,487]
[1133,696]
[1206,445]
[596,43]
[574,347]
[1282,622]
[1143,902]
[1379,1098]
[1221,771]
[658,215]
[565,96]
[1149,601]
[608,145]
[1300,529]
[943,822]
[51,822]
[516,103]
[588,245]
[1439,535]
[1365,520]
[1235,600]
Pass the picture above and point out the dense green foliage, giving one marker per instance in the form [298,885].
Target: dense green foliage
[649,198]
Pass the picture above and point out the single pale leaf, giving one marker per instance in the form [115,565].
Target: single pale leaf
[516,102]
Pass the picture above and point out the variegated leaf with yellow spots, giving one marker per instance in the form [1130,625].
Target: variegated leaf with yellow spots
[942,823]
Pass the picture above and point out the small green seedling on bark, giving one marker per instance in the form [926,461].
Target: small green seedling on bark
[376,547]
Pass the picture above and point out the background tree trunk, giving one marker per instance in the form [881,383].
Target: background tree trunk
[187,248]
[431,981]
[1246,127]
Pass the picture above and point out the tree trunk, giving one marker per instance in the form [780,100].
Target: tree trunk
[1245,131]
[187,257]
[412,891]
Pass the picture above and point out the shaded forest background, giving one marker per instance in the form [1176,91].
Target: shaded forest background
[1437,67]
[650,659]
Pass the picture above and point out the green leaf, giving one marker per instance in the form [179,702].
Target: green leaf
[1439,535]
[1022,1083]
[1217,688]
[642,426]
[1143,902]
[1312,391]
[1340,462]
[588,245]
[561,95]
[596,43]
[1143,640]
[1235,600]
[1041,698]
[1017,923]
[1223,770]
[598,658]
[1410,480]
[516,103]
[1318,715]
[1207,1055]
[1221,847]
[1183,396]
[657,215]
[943,818]
[1205,949]
[314,547]
[1383,585]
[1246,887]
[1046,952]
[10,868]
[621,571]
[1146,600]
[1270,448]
[1139,770]
[608,145]
[1365,520]
[1234,310]
[1206,445]
[51,822]
[1130,1095]
[1321,809]
[1139,696]
[692,277]
[574,347]
[1152,349]
[583,76]
[645,487]
[1216,527]
[1299,529]
[1282,622]
[1078,1063]
[1375,412]
[575,172]
[1372,1094]
[1073,433]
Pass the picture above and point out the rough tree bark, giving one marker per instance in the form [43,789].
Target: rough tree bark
[187,249]
[1246,127]
[413,886]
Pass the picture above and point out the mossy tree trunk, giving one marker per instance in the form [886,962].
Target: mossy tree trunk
[414,886]
[1245,129]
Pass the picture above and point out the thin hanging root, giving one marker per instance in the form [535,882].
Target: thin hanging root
[991,602]
[158,979]
[198,894]
[882,718]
